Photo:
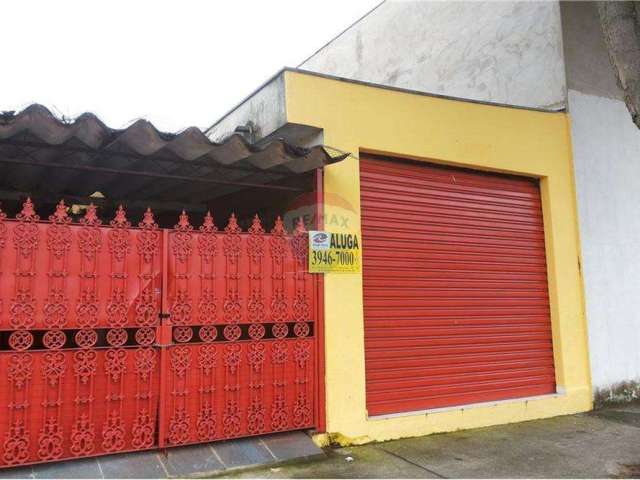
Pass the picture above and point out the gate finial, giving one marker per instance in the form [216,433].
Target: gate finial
[28,212]
[256,226]
[148,221]
[91,216]
[120,220]
[207,224]
[3,228]
[278,228]
[183,224]
[60,215]
[232,226]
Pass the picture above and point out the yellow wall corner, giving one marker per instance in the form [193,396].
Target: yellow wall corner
[355,118]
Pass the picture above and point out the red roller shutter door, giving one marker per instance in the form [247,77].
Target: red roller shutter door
[456,305]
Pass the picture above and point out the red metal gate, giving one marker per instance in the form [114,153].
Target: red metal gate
[117,338]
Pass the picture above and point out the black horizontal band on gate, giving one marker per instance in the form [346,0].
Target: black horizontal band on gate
[241,331]
[104,337]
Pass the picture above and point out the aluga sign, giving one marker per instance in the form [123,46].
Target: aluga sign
[334,252]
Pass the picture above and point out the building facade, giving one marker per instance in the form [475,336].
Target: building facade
[372,120]
[516,88]
[548,55]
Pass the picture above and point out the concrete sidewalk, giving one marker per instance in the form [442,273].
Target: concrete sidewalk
[602,444]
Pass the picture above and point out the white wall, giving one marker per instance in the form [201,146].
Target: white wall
[606,151]
[606,148]
[503,52]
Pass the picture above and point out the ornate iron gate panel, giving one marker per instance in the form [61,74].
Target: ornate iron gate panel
[78,318]
[117,338]
[242,355]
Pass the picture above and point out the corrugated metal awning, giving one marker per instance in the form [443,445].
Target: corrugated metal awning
[41,152]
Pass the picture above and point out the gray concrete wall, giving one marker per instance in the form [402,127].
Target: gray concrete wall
[264,111]
[503,52]
[606,148]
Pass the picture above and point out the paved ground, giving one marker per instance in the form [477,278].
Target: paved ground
[603,444]
[180,462]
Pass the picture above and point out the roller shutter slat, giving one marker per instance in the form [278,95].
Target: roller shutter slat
[456,301]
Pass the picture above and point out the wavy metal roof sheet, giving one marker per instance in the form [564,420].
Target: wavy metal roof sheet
[40,150]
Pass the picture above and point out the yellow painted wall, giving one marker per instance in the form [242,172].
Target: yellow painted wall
[359,118]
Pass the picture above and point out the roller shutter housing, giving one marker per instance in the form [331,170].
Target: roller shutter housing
[456,304]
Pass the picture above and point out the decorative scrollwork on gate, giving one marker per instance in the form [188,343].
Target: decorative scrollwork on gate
[145,336]
[182,334]
[149,237]
[207,239]
[54,339]
[183,238]
[26,233]
[3,229]
[115,364]
[53,367]
[20,370]
[89,237]
[206,420]
[56,309]
[82,437]
[232,242]
[181,308]
[279,412]
[85,364]
[207,308]
[89,245]
[143,430]
[84,369]
[278,241]
[119,235]
[255,242]
[59,233]
[86,338]
[206,423]
[146,308]
[144,426]
[3,240]
[113,432]
[81,377]
[300,244]
[117,308]
[302,405]
[232,307]
[88,309]
[22,310]
[16,445]
[145,362]
[208,333]
[179,426]
[21,340]
[117,337]
[256,331]
[180,361]
[50,440]
[255,306]
[256,411]
[278,306]
[231,419]
[301,308]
